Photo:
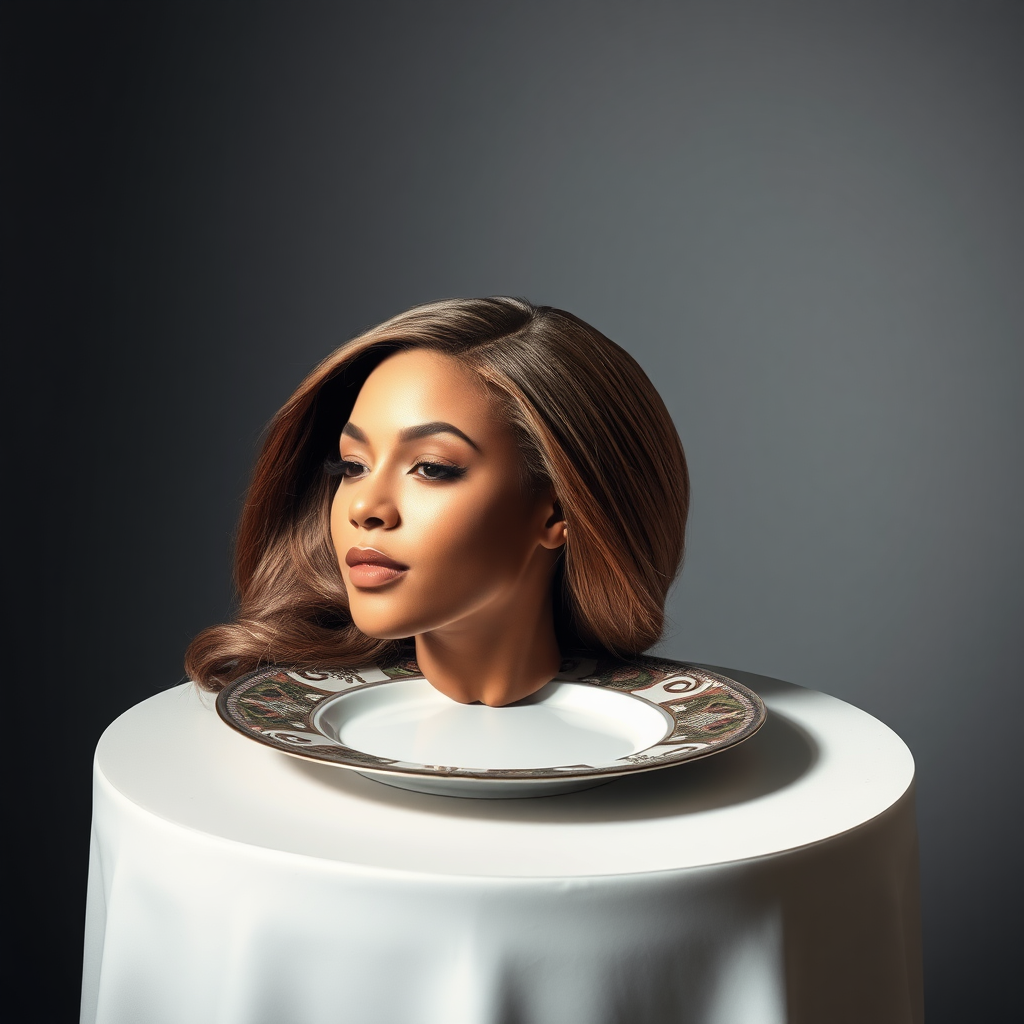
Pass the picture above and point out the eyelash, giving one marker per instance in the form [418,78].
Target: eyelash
[340,467]
[447,471]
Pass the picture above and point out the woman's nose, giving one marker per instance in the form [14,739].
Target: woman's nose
[373,509]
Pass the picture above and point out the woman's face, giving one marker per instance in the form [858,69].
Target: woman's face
[431,521]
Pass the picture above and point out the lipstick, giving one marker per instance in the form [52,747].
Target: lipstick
[369,567]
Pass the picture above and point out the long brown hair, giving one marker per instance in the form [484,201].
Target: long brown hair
[589,422]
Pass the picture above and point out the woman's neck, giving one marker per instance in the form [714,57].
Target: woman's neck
[498,656]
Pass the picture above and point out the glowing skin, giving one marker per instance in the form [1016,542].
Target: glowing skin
[436,536]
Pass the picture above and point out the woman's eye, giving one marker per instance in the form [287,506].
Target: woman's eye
[345,468]
[349,470]
[438,471]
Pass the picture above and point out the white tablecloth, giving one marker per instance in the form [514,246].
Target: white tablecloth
[774,882]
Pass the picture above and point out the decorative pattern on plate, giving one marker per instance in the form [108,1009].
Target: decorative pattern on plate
[275,706]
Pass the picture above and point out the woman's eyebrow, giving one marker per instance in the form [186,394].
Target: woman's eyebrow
[437,427]
[351,430]
[412,433]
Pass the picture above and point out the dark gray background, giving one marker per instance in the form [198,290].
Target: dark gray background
[804,220]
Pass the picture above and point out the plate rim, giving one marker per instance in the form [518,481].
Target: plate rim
[671,669]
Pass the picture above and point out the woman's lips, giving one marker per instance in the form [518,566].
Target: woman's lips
[368,567]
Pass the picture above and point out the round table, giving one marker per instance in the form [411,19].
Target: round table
[232,884]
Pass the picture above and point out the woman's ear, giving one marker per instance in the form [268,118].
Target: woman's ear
[555,527]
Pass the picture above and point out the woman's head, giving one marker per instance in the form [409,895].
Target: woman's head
[572,440]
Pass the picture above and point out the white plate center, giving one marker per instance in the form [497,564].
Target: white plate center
[562,724]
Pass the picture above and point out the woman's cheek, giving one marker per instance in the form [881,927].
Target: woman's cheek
[338,522]
[435,526]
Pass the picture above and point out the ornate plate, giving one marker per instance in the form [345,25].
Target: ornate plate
[594,721]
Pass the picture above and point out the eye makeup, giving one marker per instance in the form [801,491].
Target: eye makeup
[426,469]
[439,471]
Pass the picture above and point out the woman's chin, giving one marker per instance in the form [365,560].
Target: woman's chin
[379,630]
